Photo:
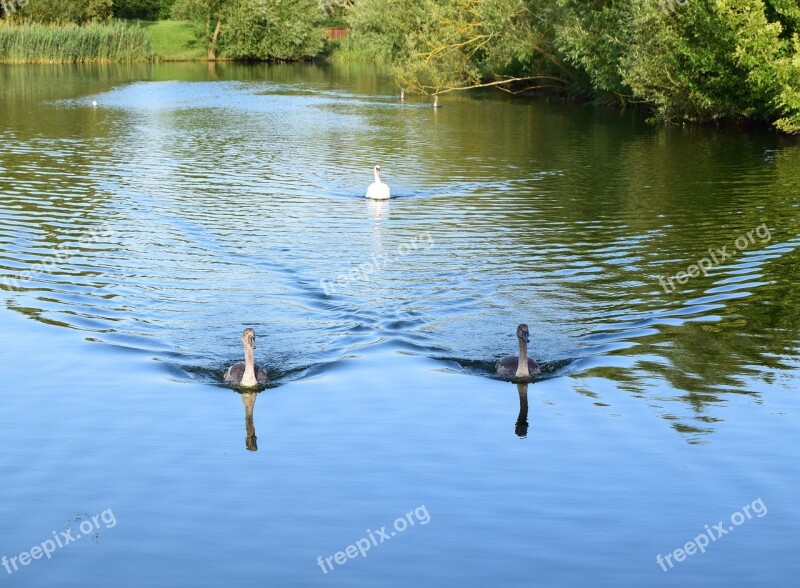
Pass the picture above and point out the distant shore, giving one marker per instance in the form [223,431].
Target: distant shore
[113,42]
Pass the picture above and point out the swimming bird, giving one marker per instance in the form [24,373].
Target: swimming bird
[378,190]
[436,101]
[247,374]
[402,94]
[519,366]
[94,103]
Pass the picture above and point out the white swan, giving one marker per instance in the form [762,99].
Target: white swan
[378,190]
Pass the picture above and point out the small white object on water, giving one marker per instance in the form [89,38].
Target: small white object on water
[94,103]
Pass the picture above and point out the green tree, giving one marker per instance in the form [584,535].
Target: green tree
[446,45]
[701,60]
[379,27]
[55,11]
[721,60]
[63,11]
[208,16]
[98,9]
[255,29]
[273,29]
[165,9]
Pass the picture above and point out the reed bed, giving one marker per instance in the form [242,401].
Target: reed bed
[349,48]
[110,42]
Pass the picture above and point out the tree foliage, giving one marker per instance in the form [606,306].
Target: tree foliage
[141,9]
[63,11]
[272,29]
[255,29]
[208,17]
[699,60]
[80,11]
[98,9]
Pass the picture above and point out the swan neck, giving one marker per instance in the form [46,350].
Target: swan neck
[249,376]
[377,177]
[522,366]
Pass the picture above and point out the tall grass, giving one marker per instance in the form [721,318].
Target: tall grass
[350,48]
[89,43]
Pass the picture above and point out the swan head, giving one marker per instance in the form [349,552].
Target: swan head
[249,338]
[523,334]
[377,169]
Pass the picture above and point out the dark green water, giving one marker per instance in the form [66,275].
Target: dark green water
[139,237]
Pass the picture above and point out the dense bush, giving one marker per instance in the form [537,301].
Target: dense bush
[255,29]
[721,60]
[141,9]
[272,29]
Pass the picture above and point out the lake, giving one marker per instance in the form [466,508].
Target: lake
[657,269]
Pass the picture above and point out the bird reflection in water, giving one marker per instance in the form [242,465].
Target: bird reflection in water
[521,428]
[249,401]
[378,209]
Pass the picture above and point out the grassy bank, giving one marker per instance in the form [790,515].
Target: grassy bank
[91,43]
[174,40]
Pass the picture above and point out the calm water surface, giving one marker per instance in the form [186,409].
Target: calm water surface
[139,237]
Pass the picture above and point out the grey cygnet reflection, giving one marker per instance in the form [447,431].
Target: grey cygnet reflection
[521,428]
[249,401]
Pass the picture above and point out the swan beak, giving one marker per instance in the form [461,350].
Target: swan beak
[527,338]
